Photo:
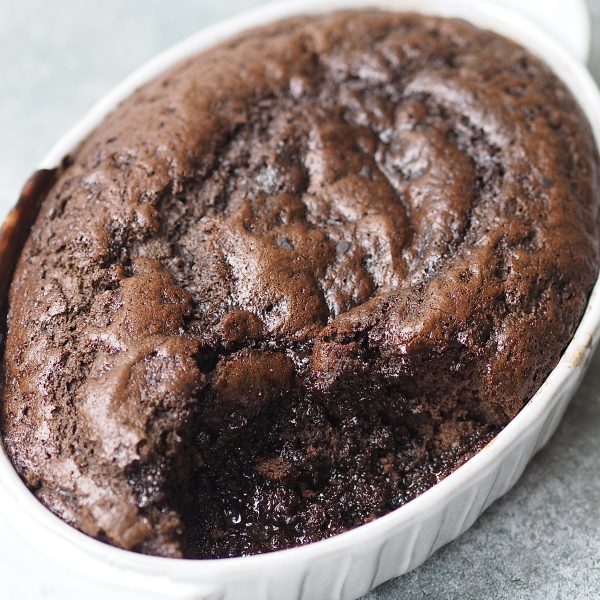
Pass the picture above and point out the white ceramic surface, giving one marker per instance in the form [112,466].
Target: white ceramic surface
[567,21]
[352,563]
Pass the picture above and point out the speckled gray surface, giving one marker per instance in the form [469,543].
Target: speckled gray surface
[541,541]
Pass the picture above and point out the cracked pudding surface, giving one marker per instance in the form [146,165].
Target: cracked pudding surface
[296,280]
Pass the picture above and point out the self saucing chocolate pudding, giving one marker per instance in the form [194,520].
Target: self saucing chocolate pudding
[295,281]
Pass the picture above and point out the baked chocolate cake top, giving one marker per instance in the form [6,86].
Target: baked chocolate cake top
[295,280]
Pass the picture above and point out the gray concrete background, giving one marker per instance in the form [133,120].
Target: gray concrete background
[541,541]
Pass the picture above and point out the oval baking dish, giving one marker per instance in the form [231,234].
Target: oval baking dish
[350,564]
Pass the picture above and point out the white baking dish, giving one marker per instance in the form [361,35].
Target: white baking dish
[350,564]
